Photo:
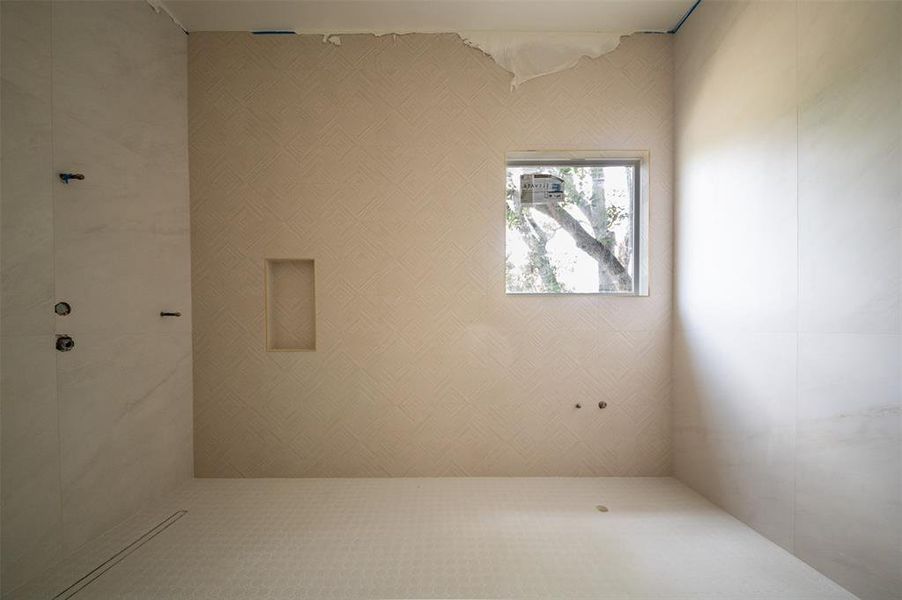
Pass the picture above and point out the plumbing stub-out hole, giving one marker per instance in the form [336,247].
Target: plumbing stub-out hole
[601,508]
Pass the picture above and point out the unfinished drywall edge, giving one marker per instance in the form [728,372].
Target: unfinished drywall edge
[158,6]
[524,54]
[528,54]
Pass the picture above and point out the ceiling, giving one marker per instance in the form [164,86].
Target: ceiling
[402,16]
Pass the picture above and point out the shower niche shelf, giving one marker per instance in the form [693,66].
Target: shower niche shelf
[290,305]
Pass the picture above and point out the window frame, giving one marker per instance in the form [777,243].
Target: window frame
[639,215]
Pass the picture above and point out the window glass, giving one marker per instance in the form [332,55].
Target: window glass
[572,228]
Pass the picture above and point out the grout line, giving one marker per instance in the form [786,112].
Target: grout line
[53,265]
[795,421]
[112,561]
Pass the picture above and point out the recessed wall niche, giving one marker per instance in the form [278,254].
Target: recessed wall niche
[290,305]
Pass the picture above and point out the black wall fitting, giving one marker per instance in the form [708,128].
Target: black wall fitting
[62,308]
[67,176]
[64,343]
[170,314]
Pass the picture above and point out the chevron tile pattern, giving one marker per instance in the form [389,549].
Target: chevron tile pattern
[383,160]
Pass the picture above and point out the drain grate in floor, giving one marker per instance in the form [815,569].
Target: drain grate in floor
[112,561]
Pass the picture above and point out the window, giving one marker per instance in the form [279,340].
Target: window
[574,225]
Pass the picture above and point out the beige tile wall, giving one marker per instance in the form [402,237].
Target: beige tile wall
[787,346]
[383,159]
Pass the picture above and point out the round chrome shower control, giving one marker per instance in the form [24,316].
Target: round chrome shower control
[62,308]
[64,343]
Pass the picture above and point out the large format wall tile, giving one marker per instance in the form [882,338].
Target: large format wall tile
[736,285]
[736,222]
[850,145]
[122,257]
[31,457]
[26,271]
[849,479]
[30,470]
[91,435]
[848,514]
[125,410]
[834,494]
[733,428]
[383,160]
[122,234]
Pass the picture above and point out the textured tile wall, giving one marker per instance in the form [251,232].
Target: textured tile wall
[383,159]
[787,350]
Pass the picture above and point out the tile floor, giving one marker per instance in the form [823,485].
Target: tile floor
[439,538]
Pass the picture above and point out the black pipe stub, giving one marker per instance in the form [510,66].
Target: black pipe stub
[602,404]
[66,177]
[65,343]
